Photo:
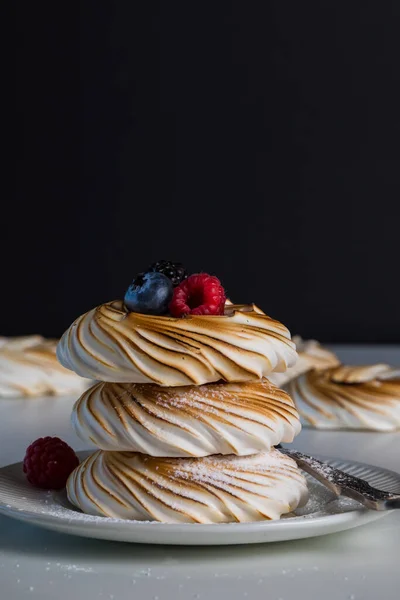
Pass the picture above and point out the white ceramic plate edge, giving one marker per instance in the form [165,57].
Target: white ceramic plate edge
[310,525]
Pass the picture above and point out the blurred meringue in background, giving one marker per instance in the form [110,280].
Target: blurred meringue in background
[330,395]
[29,367]
[348,397]
[311,356]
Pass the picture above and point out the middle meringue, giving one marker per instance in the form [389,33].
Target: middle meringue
[236,418]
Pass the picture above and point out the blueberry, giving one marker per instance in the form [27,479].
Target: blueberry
[149,293]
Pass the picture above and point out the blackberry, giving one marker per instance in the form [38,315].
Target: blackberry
[175,271]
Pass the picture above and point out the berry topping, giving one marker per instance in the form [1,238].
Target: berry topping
[149,293]
[200,294]
[49,462]
[175,271]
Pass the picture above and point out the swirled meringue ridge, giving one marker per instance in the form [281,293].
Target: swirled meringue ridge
[311,356]
[111,344]
[214,489]
[222,418]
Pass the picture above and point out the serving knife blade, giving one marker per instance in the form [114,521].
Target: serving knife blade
[343,484]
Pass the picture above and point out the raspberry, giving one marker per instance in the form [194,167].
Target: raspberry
[200,294]
[48,463]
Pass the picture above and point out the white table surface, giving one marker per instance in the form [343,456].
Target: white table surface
[361,564]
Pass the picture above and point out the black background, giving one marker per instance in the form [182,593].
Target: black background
[255,140]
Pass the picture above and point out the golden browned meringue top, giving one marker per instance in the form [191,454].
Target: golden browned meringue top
[29,367]
[111,344]
[365,397]
[219,418]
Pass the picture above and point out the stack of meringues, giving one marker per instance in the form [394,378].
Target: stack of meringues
[184,416]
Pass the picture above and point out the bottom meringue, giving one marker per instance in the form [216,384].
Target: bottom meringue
[214,489]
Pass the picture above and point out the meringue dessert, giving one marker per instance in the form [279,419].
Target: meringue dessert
[220,418]
[214,489]
[29,367]
[110,343]
[183,415]
[348,397]
[311,356]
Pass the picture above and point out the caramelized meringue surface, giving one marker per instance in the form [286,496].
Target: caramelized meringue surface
[111,344]
[29,367]
[222,418]
[347,397]
[311,355]
[214,489]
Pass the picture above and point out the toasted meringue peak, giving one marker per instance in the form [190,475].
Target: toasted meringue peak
[346,397]
[111,344]
[215,489]
[222,418]
[311,356]
[29,367]
[363,374]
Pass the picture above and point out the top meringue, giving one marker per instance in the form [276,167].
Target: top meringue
[109,343]
[29,367]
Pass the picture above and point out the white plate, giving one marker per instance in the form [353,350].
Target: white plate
[323,514]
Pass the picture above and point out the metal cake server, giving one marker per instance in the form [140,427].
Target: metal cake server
[342,484]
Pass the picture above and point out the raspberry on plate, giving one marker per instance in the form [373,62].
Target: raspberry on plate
[49,462]
[199,294]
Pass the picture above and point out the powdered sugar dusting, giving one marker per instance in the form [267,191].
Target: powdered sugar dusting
[224,468]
